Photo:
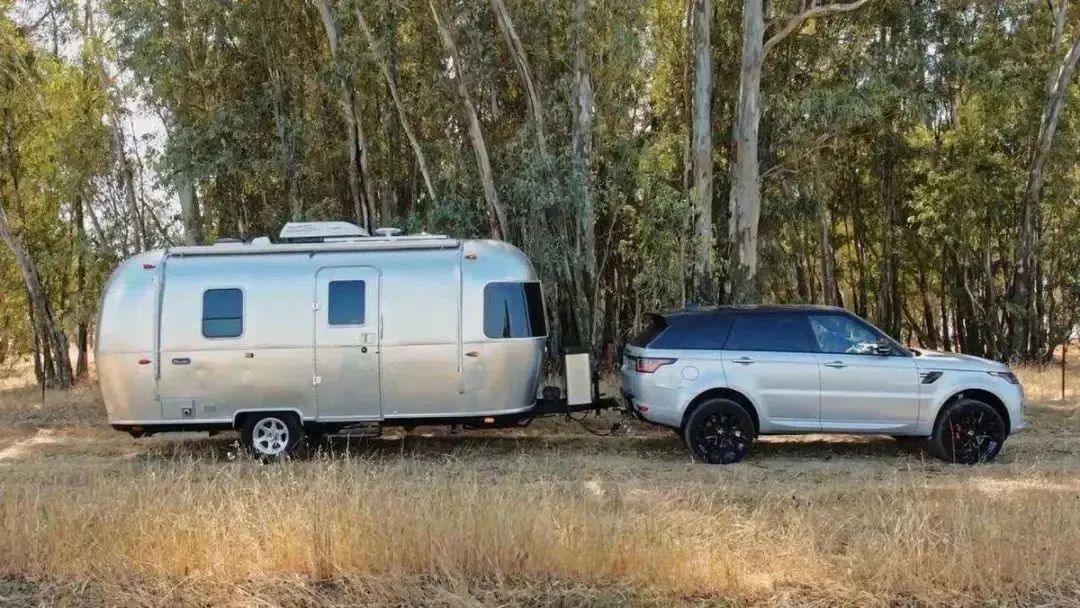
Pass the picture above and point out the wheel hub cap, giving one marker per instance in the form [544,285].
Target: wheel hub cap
[270,436]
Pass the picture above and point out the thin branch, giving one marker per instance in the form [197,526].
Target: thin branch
[814,12]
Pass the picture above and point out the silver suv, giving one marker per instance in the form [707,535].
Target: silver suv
[722,376]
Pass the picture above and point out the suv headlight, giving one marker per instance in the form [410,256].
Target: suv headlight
[1007,376]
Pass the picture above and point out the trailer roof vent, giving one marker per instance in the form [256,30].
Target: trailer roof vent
[317,232]
[387,231]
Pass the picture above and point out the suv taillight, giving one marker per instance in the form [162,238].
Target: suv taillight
[648,365]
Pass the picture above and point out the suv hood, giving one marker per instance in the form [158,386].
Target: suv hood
[934,360]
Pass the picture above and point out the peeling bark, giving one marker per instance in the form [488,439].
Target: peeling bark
[517,50]
[418,152]
[360,184]
[496,213]
[704,265]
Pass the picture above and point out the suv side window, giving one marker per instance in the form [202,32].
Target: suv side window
[842,335]
[775,332]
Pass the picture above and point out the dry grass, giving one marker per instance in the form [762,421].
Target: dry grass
[547,516]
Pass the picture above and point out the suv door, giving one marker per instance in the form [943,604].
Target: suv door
[770,358]
[862,389]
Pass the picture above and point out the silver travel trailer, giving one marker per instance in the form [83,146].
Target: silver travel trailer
[329,328]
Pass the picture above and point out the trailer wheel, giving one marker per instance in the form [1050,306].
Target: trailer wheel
[271,435]
[968,431]
[719,431]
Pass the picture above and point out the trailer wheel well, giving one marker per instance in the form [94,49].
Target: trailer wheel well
[724,393]
[979,395]
[241,417]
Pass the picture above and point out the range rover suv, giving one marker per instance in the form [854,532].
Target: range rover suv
[722,376]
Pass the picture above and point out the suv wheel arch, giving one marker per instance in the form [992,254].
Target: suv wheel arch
[977,394]
[724,393]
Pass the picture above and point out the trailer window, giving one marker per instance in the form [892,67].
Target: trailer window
[222,313]
[346,303]
[513,310]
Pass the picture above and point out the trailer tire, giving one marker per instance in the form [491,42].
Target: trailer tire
[719,431]
[271,435]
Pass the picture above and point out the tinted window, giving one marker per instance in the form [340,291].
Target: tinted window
[222,313]
[769,332]
[837,334]
[695,332]
[346,303]
[654,326]
[513,310]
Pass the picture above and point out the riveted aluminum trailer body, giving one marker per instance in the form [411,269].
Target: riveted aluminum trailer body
[365,330]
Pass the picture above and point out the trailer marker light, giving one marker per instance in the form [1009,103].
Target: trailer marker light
[642,407]
[149,266]
[489,420]
[144,361]
[647,365]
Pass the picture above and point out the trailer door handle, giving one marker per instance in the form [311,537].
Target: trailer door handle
[181,361]
[473,353]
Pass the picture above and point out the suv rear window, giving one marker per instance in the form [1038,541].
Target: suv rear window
[695,332]
[654,326]
[777,332]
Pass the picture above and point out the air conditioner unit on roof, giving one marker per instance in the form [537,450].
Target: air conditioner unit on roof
[313,232]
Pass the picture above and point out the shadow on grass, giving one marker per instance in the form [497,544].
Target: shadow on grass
[485,446]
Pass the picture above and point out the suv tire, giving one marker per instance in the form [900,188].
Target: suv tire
[968,431]
[719,431]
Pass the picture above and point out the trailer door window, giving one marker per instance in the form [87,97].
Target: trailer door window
[513,310]
[222,313]
[346,303]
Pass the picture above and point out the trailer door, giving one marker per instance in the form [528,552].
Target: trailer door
[347,336]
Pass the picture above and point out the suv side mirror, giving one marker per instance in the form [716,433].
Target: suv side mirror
[883,347]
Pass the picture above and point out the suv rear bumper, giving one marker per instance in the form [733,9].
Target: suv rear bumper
[647,410]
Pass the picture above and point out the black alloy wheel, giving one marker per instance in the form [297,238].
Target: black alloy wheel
[719,431]
[969,432]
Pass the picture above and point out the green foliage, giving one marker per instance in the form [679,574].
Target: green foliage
[901,133]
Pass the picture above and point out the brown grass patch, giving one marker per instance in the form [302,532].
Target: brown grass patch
[547,516]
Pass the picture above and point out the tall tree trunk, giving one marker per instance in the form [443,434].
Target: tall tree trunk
[125,174]
[581,158]
[391,84]
[517,51]
[82,366]
[829,285]
[52,332]
[361,186]
[744,201]
[929,327]
[946,337]
[889,313]
[703,277]
[1023,282]
[189,211]
[497,219]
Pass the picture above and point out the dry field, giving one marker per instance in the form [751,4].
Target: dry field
[546,516]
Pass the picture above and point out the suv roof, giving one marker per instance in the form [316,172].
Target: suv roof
[676,315]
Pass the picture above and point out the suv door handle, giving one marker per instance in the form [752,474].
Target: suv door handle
[743,360]
[836,364]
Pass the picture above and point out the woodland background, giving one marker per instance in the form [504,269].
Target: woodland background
[915,161]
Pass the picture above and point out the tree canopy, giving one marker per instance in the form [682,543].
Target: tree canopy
[917,159]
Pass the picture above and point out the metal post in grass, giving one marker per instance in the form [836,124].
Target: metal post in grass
[1064,351]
